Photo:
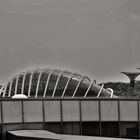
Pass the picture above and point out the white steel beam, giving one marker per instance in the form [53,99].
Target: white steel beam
[47,82]
[100,90]
[16,85]
[88,88]
[79,82]
[10,87]
[23,83]
[38,82]
[5,88]
[71,76]
[30,83]
[56,84]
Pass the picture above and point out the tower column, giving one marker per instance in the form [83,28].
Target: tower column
[132,76]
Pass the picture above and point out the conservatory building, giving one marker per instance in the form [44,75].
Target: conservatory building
[63,102]
[53,83]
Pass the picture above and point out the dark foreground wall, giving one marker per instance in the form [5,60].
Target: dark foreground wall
[92,117]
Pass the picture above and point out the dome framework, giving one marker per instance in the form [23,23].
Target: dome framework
[52,83]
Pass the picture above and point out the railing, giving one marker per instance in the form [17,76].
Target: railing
[34,113]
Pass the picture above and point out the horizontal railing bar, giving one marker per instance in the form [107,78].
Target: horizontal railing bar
[69,98]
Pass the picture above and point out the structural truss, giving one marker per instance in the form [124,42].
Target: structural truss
[52,83]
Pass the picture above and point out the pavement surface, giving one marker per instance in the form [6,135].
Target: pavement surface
[49,135]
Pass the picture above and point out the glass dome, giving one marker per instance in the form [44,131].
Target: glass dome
[51,83]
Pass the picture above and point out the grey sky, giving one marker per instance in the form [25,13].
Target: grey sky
[97,38]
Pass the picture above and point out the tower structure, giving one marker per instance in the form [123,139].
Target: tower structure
[132,76]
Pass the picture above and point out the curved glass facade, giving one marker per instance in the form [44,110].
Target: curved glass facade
[51,83]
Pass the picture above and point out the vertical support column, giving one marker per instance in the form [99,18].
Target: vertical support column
[2,123]
[1,118]
[80,113]
[61,115]
[138,116]
[100,126]
[43,114]
[22,111]
[119,118]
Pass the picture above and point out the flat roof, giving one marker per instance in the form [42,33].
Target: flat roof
[43,134]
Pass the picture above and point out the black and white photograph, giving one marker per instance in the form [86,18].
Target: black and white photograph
[69,69]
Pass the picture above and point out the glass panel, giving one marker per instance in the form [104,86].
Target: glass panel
[19,87]
[13,87]
[128,111]
[37,126]
[94,90]
[110,129]
[42,84]
[10,127]
[26,84]
[7,89]
[52,111]
[61,85]
[33,111]
[90,129]
[54,127]
[34,84]
[51,85]
[12,111]
[82,88]
[71,87]
[109,111]
[72,128]
[70,110]
[130,130]
[90,111]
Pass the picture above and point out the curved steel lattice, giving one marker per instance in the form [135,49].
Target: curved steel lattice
[52,83]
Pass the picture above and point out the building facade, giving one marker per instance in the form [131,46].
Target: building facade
[66,103]
[92,117]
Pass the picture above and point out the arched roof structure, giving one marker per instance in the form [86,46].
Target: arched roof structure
[52,83]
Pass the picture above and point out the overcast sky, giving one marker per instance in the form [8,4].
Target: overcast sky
[97,38]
